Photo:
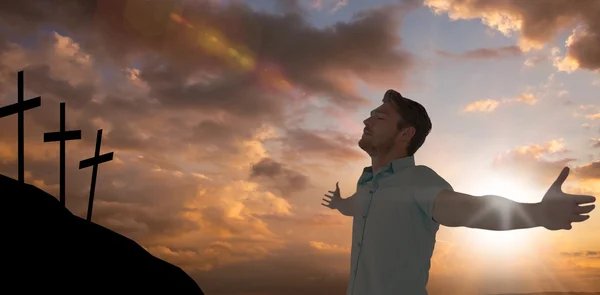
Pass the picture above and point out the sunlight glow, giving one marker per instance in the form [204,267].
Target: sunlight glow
[503,243]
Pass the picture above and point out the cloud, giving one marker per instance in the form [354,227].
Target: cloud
[538,164]
[484,53]
[330,5]
[537,23]
[591,254]
[319,219]
[595,142]
[490,105]
[535,60]
[528,98]
[589,170]
[304,145]
[486,105]
[339,4]
[586,126]
[291,7]
[283,179]
[588,112]
[595,116]
[126,36]
[217,106]
[195,101]
[329,248]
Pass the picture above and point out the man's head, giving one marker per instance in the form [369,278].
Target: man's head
[398,124]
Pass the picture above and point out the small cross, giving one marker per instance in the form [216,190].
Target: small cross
[62,136]
[19,108]
[97,159]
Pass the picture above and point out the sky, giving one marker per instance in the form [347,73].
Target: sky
[229,120]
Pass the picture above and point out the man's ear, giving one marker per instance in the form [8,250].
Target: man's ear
[408,132]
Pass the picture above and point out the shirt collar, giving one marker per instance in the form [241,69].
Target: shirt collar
[396,165]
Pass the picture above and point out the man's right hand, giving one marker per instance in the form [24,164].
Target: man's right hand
[334,199]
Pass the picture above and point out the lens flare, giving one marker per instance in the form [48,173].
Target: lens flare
[237,56]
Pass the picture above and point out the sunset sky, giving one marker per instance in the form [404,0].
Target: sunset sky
[229,120]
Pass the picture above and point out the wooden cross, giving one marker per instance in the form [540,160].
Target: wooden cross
[19,108]
[62,136]
[97,159]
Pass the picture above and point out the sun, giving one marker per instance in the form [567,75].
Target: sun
[499,243]
[513,243]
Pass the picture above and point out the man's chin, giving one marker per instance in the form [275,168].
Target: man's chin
[364,144]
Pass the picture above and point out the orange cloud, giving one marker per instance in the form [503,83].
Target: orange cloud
[487,106]
[490,105]
[537,23]
[328,247]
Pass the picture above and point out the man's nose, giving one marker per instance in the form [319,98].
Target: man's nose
[367,122]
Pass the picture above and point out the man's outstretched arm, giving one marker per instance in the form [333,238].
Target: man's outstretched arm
[456,209]
[557,210]
[335,201]
[346,207]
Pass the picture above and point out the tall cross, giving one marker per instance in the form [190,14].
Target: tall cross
[62,136]
[19,108]
[97,159]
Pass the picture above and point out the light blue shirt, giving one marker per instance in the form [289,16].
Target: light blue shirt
[393,231]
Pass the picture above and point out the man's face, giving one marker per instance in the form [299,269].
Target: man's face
[381,129]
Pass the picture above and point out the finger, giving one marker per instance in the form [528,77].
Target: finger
[326,206]
[579,218]
[581,199]
[331,197]
[561,179]
[331,192]
[584,209]
[326,201]
[337,187]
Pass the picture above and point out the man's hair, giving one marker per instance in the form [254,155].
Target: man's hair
[412,114]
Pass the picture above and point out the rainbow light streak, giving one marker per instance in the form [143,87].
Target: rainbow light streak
[215,43]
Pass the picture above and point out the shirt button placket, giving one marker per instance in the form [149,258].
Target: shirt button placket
[359,243]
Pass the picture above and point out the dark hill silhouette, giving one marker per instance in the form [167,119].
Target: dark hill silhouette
[47,248]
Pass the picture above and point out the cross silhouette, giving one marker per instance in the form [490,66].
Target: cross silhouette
[62,136]
[95,161]
[19,108]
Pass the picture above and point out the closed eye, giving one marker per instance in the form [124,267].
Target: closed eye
[377,114]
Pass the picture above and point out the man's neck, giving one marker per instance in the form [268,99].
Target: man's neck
[380,161]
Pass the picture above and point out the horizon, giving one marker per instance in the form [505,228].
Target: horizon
[230,119]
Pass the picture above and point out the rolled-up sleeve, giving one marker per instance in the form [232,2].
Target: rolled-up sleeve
[427,185]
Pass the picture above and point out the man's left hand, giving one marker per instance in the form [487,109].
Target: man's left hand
[558,209]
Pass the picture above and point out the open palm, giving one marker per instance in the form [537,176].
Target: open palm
[558,209]
[334,199]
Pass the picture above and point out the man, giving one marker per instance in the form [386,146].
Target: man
[398,206]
